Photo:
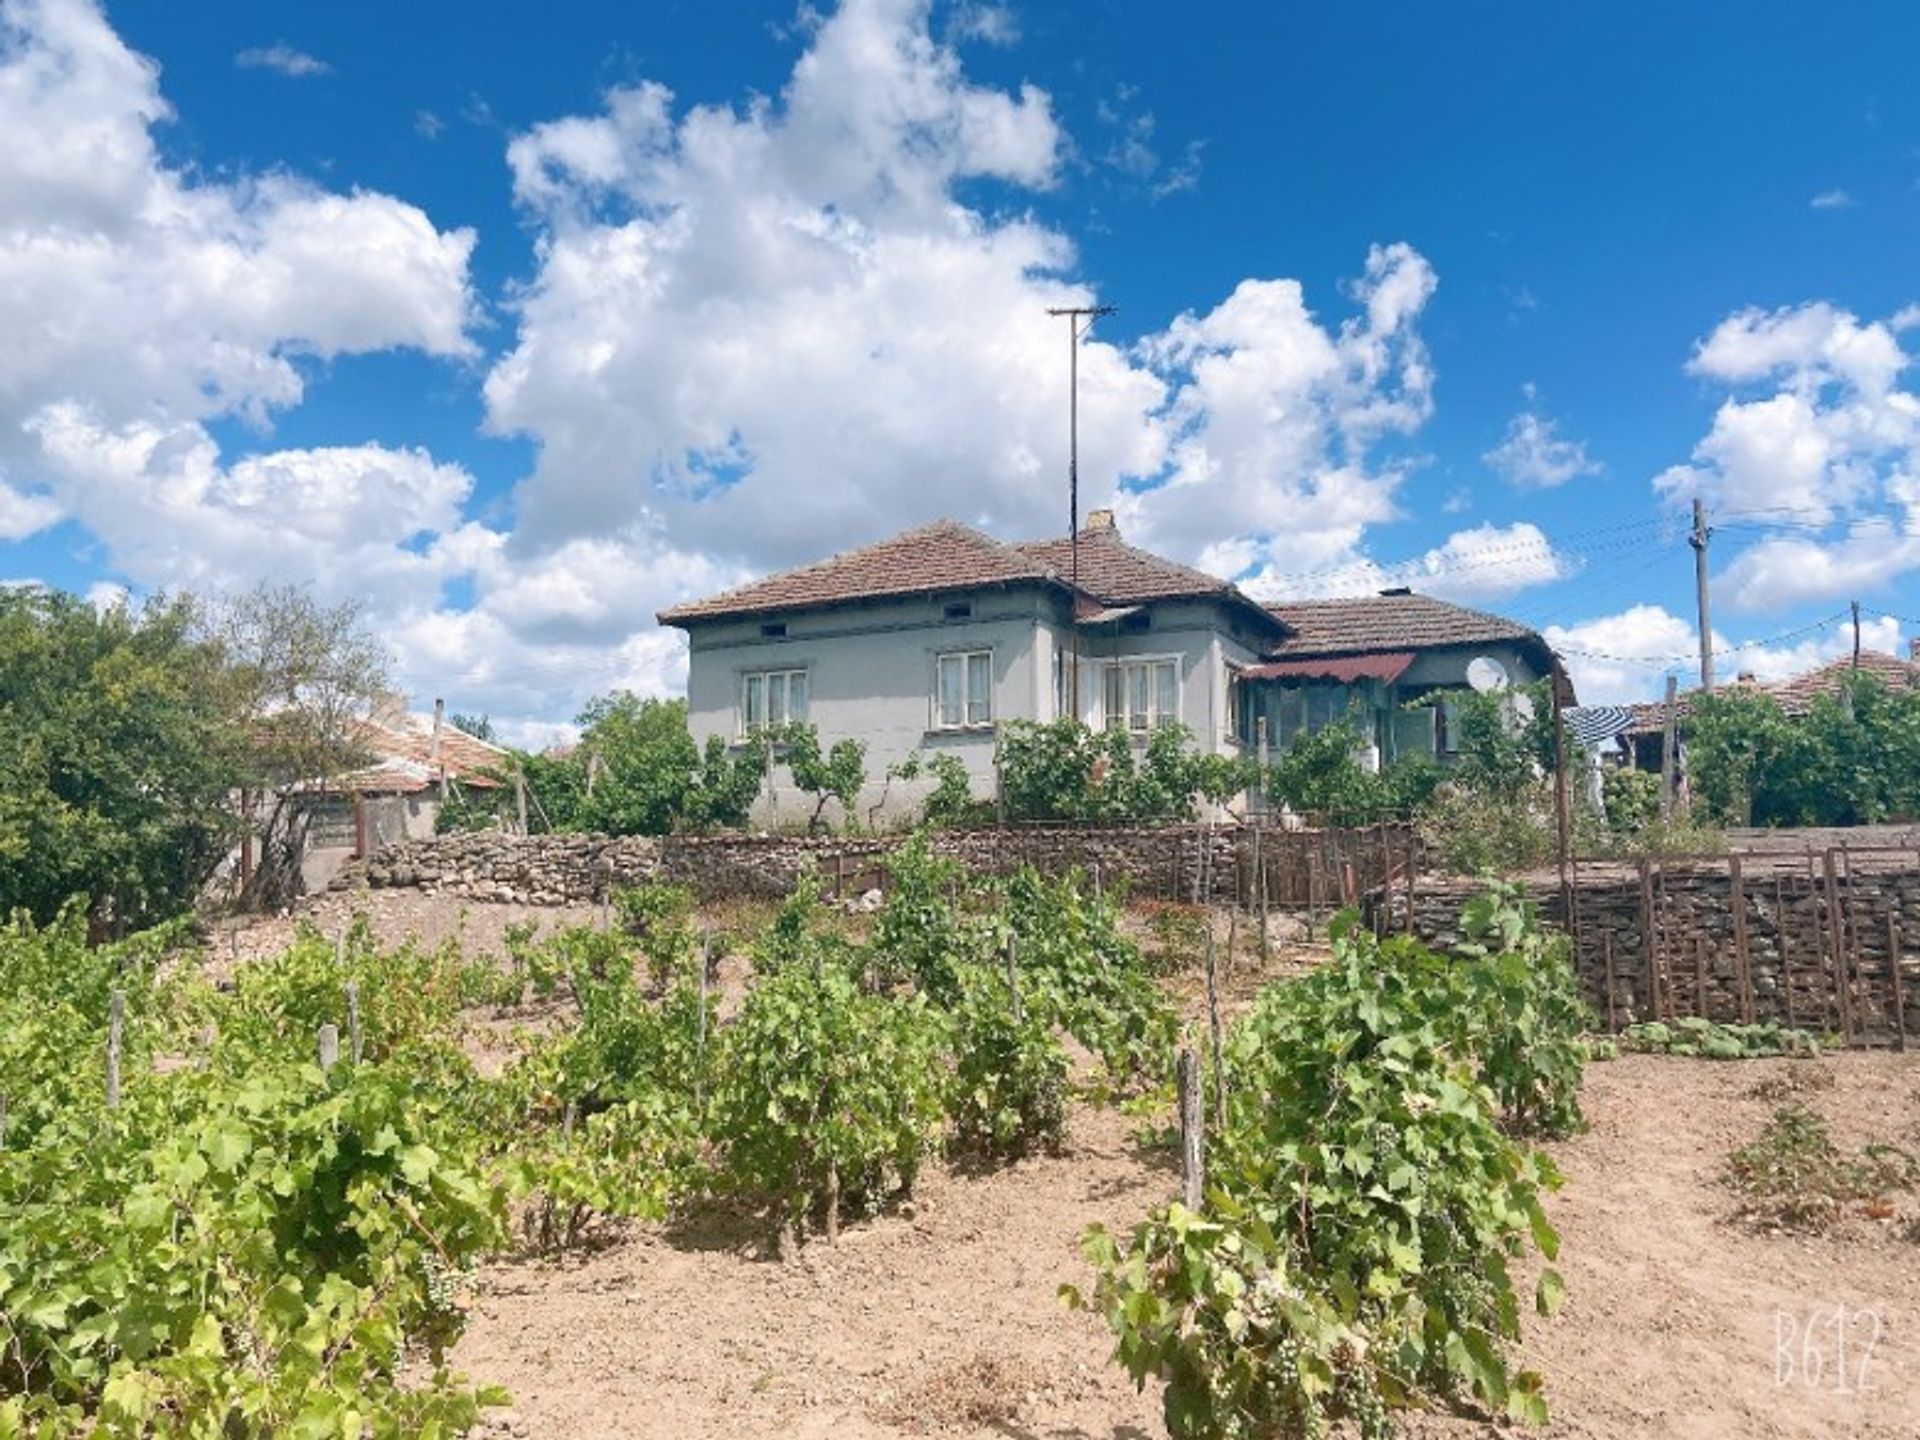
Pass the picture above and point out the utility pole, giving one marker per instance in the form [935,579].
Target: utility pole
[1699,542]
[1856,634]
[1075,314]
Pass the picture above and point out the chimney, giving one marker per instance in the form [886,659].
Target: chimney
[1102,520]
[1913,649]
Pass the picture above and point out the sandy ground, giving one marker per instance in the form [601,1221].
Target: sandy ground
[943,1318]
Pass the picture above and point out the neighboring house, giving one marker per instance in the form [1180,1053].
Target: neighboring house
[1642,737]
[413,760]
[930,640]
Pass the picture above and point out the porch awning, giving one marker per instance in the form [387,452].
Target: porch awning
[1089,613]
[1388,665]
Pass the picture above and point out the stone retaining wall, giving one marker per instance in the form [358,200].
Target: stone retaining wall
[1790,943]
[1183,861]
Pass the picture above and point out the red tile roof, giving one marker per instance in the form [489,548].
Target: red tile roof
[1380,665]
[943,556]
[1121,574]
[947,556]
[403,764]
[1796,696]
[1390,622]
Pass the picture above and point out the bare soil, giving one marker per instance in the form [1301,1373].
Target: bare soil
[941,1317]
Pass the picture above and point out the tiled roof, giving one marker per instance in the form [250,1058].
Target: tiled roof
[1396,621]
[943,556]
[1121,574]
[1796,696]
[401,747]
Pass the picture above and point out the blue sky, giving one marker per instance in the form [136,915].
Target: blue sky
[520,330]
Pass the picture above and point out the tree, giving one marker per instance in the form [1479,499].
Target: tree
[1067,771]
[478,726]
[835,774]
[644,775]
[299,679]
[118,757]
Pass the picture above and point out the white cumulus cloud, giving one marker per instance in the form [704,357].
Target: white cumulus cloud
[1534,455]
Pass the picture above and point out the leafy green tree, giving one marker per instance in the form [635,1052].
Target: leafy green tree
[1067,771]
[298,681]
[1852,759]
[119,755]
[1320,774]
[835,774]
[644,775]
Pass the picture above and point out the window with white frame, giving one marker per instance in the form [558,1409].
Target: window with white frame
[963,689]
[1143,694]
[772,698]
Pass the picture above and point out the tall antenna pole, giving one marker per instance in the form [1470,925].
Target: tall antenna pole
[1075,329]
[1699,542]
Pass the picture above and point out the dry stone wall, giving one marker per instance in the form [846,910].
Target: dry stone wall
[1834,949]
[1188,862]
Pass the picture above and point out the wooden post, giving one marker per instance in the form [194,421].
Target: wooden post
[1742,958]
[1700,1006]
[1562,804]
[1785,947]
[116,1023]
[1095,867]
[1349,885]
[520,794]
[1193,1175]
[700,1032]
[1650,1008]
[359,826]
[833,1203]
[1613,1014]
[1896,980]
[1862,1002]
[1836,934]
[1213,1027]
[1013,978]
[340,950]
[356,1047]
[1413,870]
[329,1046]
[1667,775]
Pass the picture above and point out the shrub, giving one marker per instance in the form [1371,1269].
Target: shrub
[1010,1072]
[829,1099]
[1793,1175]
[1353,1254]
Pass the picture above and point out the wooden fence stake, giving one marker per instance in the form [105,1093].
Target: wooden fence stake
[356,1046]
[1650,1007]
[1742,957]
[1700,1006]
[116,1022]
[1013,977]
[1785,945]
[1193,1177]
[700,1030]
[329,1046]
[1260,879]
[1613,1013]
[1836,930]
[1896,980]
[1213,1026]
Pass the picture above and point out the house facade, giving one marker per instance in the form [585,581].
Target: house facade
[929,641]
